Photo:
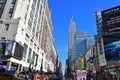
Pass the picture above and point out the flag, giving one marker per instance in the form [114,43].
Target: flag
[37,33]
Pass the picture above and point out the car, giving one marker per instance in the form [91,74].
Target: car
[7,75]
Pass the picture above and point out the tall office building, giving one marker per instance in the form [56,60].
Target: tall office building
[22,41]
[83,41]
[72,31]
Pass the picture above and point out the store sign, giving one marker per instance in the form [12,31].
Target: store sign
[81,74]
[3,64]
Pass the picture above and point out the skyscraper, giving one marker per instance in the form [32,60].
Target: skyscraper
[83,41]
[72,30]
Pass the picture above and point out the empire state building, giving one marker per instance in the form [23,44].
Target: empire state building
[72,31]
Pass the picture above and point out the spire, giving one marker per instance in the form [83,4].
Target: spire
[72,18]
[72,23]
[72,31]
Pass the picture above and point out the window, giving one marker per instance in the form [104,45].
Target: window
[14,1]
[42,54]
[10,12]
[36,62]
[6,27]
[2,38]
[25,51]
[11,9]
[33,57]
[2,5]
[29,55]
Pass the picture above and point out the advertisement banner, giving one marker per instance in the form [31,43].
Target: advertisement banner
[111,24]
[81,74]
[112,51]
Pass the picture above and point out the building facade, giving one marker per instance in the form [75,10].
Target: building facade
[23,25]
[107,39]
[83,41]
[90,59]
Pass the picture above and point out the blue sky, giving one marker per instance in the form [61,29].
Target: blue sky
[83,12]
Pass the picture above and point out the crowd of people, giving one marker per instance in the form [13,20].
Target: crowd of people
[25,75]
[33,76]
[106,77]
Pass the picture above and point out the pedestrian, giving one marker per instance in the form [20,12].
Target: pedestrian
[90,76]
[42,76]
[26,76]
[114,77]
[31,76]
[36,76]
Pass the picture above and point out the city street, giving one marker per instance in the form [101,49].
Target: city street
[59,39]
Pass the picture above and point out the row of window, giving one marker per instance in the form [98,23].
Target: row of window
[2,5]
[11,9]
[34,23]
[32,56]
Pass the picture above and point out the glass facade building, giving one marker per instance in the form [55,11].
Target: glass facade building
[83,41]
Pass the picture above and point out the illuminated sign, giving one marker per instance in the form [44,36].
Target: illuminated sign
[112,51]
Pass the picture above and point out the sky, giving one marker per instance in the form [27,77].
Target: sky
[83,12]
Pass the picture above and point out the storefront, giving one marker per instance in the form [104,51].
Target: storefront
[8,65]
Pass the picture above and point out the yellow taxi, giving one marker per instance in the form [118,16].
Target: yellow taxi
[6,75]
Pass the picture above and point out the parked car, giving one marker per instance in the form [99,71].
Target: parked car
[7,75]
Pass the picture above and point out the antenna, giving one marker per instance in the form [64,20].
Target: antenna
[71,18]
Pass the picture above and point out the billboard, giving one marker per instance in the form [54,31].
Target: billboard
[81,63]
[111,24]
[111,32]
[81,74]
[112,51]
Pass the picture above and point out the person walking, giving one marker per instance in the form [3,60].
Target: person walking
[42,76]
[90,77]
